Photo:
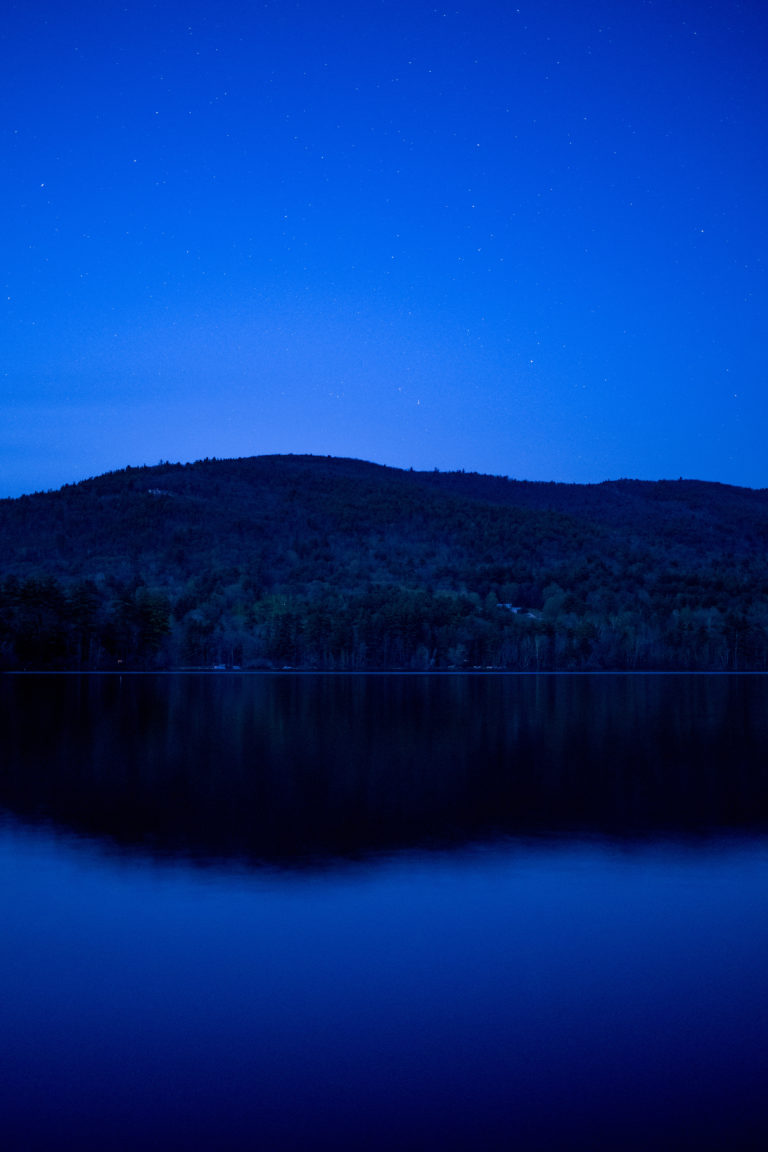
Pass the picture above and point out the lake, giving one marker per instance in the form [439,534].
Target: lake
[375,912]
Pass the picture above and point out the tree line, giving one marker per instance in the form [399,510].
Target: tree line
[44,625]
[340,565]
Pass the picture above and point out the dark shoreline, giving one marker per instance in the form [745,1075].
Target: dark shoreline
[412,673]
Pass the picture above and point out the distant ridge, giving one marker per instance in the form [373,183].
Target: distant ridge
[336,563]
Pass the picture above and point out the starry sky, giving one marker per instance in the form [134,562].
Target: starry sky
[520,238]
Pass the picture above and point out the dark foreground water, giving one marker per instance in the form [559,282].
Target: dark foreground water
[308,912]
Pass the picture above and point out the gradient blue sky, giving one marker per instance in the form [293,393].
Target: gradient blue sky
[521,238]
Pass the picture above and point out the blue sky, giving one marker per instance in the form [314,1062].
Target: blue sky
[525,239]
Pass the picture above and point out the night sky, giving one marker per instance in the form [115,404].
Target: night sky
[525,239]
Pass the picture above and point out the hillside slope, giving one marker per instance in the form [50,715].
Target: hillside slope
[334,563]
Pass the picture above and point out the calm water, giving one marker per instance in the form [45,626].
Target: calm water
[306,912]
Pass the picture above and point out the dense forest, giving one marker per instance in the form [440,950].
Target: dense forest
[325,563]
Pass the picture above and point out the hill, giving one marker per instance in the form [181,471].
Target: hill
[341,564]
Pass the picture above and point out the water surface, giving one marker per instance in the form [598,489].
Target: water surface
[311,912]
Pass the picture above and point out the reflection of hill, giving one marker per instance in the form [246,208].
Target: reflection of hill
[340,564]
[297,769]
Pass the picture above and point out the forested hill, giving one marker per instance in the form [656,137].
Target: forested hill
[328,563]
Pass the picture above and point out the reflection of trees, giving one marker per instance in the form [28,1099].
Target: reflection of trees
[290,767]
